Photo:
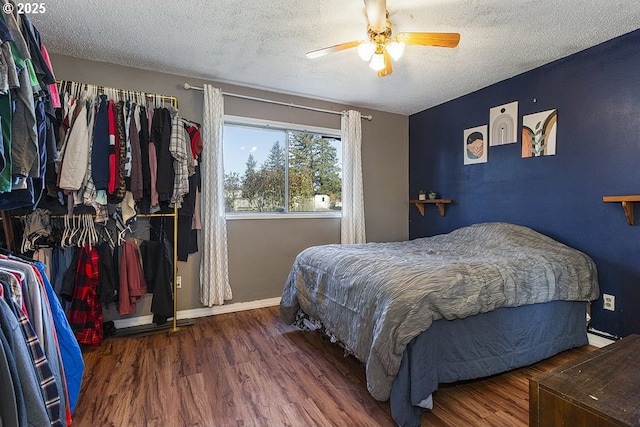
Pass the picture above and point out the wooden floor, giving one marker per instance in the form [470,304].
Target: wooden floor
[249,369]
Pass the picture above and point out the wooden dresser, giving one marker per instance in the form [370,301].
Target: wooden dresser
[600,389]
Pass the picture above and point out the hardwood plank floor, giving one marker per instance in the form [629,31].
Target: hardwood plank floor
[250,369]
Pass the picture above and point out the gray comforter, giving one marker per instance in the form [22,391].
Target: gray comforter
[376,297]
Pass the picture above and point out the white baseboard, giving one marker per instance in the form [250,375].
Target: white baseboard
[598,341]
[228,308]
[200,312]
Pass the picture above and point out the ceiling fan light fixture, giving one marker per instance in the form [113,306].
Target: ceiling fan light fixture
[366,50]
[395,49]
[377,62]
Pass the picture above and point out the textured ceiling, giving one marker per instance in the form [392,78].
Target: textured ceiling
[262,43]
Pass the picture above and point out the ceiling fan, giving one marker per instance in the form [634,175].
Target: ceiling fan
[382,46]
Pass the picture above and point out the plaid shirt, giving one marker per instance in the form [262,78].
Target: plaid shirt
[178,150]
[50,392]
[85,315]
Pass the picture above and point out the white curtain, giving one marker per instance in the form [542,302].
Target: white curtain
[352,224]
[214,269]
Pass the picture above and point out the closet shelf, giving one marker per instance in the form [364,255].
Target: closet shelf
[627,204]
[438,202]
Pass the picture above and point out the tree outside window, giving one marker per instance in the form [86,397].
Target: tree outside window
[279,170]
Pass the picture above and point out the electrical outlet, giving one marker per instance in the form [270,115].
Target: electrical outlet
[609,302]
[179,282]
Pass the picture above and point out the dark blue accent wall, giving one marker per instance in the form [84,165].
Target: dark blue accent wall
[597,95]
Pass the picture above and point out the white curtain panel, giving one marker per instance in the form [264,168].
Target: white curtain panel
[352,224]
[214,267]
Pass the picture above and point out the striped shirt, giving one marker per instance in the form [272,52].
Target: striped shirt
[48,386]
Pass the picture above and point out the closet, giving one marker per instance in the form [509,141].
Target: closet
[125,157]
[146,137]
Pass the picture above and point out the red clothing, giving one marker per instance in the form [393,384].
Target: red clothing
[196,141]
[132,282]
[113,152]
[85,315]
[53,88]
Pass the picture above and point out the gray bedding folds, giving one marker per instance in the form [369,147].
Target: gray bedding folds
[377,297]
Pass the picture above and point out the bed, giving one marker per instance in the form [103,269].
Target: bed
[477,301]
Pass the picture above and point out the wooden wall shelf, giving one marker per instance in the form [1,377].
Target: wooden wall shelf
[627,204]
[438,202]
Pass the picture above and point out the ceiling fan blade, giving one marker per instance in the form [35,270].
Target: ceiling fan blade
[337,48]
[430,39]
[376,13]
[388,69]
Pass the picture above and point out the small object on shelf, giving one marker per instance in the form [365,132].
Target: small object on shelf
[438,202]
[432,195]
[422,195]
[627,204]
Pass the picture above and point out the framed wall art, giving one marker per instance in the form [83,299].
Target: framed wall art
[539,134]
[475,145]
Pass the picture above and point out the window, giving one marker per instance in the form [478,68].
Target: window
[271,167]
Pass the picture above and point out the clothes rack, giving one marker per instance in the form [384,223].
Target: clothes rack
[68,85]
[174,325]
[8,229]
[150,99]
[122,93]
[174,215]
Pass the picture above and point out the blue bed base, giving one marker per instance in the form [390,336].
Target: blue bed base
[483,345]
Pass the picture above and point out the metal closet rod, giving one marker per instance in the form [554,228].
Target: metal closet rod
[271,101]
[65,84]
[78,215]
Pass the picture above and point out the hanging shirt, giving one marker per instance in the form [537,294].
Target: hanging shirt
[12,408]
[161,136]
[178,149]
[48,387]
[158,272]
[85,314]
[122,153]
[114,157]
[13,338]
[128,160]
[24,135]
[132,282]
[100,148]
[136,155]
[53,88]
[76,153]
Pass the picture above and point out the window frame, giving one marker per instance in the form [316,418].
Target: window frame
[283,126]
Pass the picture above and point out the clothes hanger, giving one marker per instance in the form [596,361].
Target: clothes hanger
[83,237]
[73,238]
[71,230]
[123,234]
[191,122]
[65,232]
[105,234]
[93,234]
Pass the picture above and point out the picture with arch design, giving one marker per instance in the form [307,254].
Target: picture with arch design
[503,124]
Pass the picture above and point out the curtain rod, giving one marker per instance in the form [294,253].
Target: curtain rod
[270,101]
